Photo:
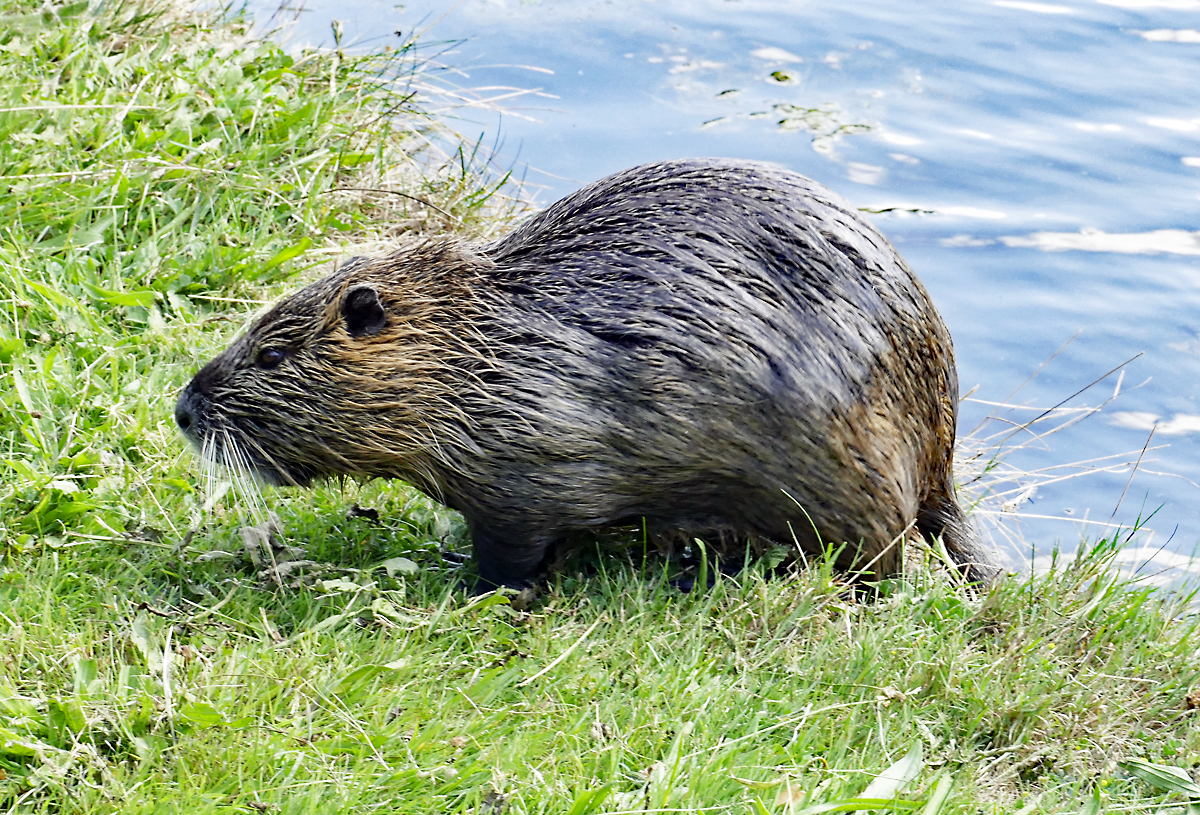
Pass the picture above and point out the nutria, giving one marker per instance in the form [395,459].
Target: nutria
[711,346]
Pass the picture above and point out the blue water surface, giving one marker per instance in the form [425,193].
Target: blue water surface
[1037,164]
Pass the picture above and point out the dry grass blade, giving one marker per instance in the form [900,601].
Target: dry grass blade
[997,488]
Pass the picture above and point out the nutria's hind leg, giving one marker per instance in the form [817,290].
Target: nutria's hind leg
[941,516]
[507,558]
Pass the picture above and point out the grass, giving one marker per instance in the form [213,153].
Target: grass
[159,653]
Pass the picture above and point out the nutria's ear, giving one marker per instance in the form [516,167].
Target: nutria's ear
[363,311]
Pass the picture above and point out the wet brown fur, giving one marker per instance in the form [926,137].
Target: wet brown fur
[761,363]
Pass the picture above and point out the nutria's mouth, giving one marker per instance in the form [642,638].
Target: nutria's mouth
[248,456]
[230,449]
[236,457]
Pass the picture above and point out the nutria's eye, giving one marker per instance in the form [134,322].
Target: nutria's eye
[270,357]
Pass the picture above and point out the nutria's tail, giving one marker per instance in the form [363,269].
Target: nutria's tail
[941,516]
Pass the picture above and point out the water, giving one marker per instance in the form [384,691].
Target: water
[1038,164]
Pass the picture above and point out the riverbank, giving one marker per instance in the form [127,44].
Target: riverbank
[164,175]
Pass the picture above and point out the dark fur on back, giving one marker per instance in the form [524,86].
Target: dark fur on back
[709,345]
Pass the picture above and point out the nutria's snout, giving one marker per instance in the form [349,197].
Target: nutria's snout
[719,348]
[185,412]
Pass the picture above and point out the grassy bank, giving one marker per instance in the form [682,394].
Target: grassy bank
[162,175]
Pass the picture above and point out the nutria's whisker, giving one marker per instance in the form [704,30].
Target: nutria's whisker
[238,465]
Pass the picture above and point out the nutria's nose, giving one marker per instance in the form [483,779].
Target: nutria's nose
[185,409]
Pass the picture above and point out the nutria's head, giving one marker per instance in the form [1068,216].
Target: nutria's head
[351,375]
